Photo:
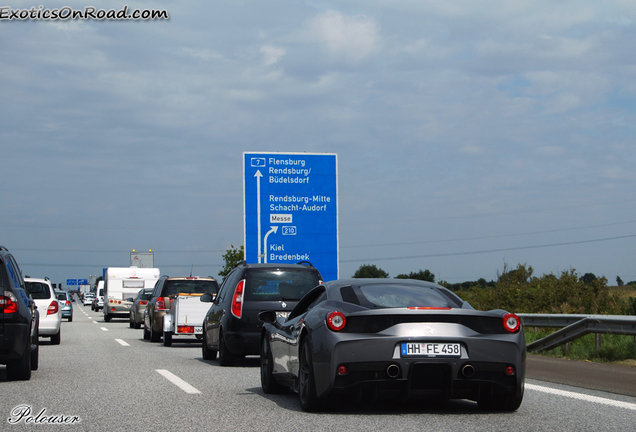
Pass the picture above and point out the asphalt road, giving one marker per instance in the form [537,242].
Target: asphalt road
[109,379]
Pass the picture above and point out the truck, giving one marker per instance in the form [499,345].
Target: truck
[121,285]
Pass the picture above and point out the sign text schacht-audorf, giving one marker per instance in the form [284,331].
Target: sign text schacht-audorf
[298,203]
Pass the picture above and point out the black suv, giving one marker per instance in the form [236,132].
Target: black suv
[19,318]
[231,326]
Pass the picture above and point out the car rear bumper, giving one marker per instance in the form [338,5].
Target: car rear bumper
[13,341]
[480,367]
[243,343]
[50,324]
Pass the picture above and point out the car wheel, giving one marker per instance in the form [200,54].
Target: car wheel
[226,358]
[309,402]
[137,325]
[107,317]
[56,338]
[208,354]
[131,323]
[35,353]
[70,319]
[20,370]
[167,339]
[268,382]
[154,336]
[146,333]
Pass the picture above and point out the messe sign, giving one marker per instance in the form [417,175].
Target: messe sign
[70,282]
[82,281]
[291,209]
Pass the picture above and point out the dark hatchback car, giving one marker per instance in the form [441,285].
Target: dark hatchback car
[231,326]
[19,318]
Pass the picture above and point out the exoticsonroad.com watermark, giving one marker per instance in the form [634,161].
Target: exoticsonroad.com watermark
[89,12]
[24,414]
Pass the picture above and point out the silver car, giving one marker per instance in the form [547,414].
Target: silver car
[138,307]
[64,299]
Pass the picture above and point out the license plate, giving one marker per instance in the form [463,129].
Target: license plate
[282,315]
[431,349]
[198,330]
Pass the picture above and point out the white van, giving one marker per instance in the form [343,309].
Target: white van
[122,283]
[99,295]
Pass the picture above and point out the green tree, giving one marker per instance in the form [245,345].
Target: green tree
[588,278]
[619,281]
[424,275]
[232,257]
[370,271]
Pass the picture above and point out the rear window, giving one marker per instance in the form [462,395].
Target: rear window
[275,285]
[61,296]
[38,290]
[145,295]
[392,296]
[192,286]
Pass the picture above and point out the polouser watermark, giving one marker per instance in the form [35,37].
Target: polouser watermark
[24,414]
[88,13]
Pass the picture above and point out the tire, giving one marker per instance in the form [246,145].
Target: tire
[131,323]
[207,353]
[20,370]
[154,336]
[268,382]
[146,333]
[107,317]
[35,354]
[137,325]
[70,319]
[167,339]
[56,338]
[309,402]
[226,358]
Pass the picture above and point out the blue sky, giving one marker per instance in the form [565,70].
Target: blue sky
[468,135]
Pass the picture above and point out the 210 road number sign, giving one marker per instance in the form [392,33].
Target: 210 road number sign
[291,209]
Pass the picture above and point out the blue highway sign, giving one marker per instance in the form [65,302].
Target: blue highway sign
[291,209]
[71,281]
[82,281]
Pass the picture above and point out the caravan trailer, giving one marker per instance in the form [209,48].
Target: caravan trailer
[123,283]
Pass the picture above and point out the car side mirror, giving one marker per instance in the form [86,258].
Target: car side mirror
[207,298]
[269,317]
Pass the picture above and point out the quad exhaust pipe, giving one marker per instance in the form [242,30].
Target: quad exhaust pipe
[468,371]
[393,370]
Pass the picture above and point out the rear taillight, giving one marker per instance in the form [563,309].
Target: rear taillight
[185,329]
[336,321]
[53,308]
[8,303]
[160,304]
[143,302]
[511,322]
[68,303]
[237,300]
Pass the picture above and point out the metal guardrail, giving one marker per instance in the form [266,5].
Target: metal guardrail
[575,326]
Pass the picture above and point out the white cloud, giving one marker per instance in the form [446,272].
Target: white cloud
[353,37]
[272,54]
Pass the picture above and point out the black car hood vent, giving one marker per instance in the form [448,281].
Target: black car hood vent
[378,323]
